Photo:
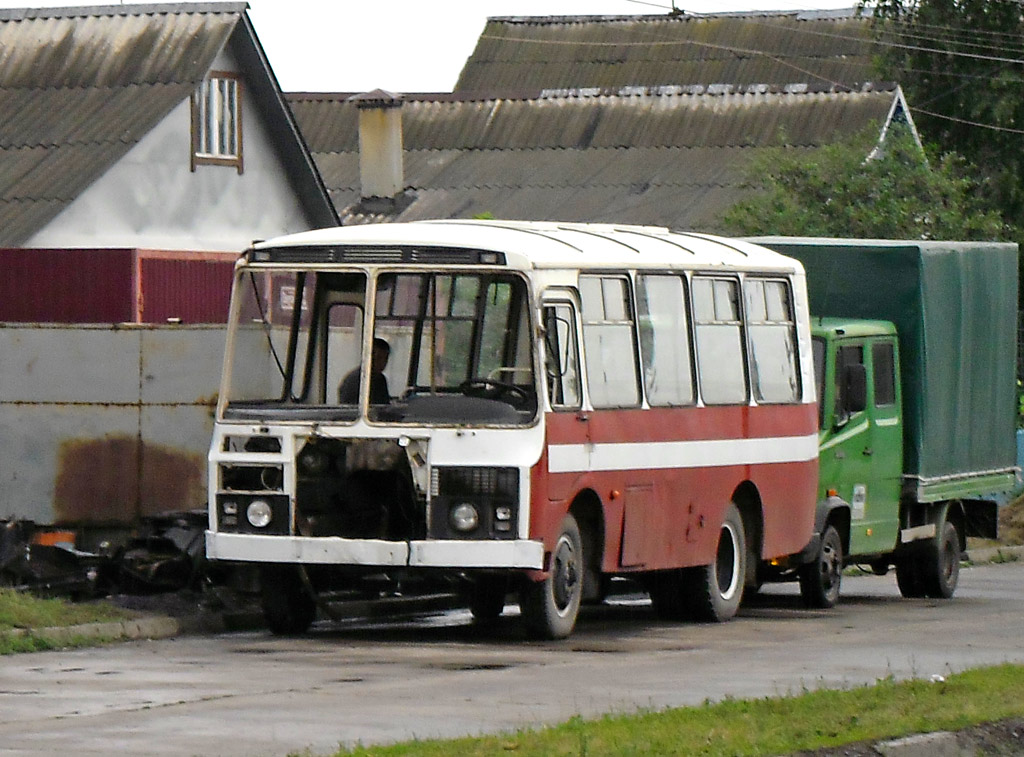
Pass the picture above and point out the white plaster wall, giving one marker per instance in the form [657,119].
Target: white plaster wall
[150,198]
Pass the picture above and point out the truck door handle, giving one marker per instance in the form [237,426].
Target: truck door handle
[868,452]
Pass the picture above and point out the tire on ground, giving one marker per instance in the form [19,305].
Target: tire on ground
[820,579]
[550,607]
[288,608]
[717,589]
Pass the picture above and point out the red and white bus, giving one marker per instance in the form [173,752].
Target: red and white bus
[514,407]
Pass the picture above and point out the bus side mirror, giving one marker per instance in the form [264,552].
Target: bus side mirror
[855,388]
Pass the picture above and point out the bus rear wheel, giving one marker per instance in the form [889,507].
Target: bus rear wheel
[717,589]
[550,607]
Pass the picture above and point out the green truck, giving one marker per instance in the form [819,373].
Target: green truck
[914,347]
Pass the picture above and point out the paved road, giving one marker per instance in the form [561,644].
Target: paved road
[252,694]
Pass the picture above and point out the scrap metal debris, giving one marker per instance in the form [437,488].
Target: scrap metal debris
[165,554]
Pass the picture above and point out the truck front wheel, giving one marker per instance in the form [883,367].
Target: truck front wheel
[820,579]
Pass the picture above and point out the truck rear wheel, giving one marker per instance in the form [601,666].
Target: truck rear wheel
[820,579]
[908,574]
[940,563]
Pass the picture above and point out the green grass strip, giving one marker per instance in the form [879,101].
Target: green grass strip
[23,610]
[769,726]
[20,610]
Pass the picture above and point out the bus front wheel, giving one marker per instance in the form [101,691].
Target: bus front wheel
[288,608]
[550,607]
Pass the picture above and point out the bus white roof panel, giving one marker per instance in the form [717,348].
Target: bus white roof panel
[543,244]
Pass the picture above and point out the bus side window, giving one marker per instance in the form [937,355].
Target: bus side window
[665,340]
[562,363]
[609,347]
[773,369]
[719,334]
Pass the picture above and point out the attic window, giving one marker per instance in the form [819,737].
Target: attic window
[217,121]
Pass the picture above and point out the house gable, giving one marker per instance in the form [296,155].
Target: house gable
[153,197]
[95,103]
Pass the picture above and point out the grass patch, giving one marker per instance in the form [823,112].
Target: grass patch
[769,726]
[20,610]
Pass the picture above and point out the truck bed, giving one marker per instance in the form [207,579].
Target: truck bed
[955,309]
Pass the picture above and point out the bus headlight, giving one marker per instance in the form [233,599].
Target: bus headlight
[259,513]
[464,517]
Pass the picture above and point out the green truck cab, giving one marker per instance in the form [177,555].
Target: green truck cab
[915,348]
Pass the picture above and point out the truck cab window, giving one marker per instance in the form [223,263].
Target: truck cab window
[883,359]
[849,363]
[818,354]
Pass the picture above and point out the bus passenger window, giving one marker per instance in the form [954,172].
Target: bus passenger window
[608,342]
[664,340]
[562,363]
[719,335]
[773,370]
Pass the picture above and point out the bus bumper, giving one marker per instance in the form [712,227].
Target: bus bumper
[334,550]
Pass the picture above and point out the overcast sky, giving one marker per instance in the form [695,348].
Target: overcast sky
[413,45]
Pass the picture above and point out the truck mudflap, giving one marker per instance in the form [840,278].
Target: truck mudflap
[335,550]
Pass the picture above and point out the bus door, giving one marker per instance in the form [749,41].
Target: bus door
[568,427]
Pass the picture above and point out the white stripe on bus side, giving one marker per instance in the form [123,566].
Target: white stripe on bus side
[576,458]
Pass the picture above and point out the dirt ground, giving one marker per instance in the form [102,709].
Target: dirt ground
[1011,522]
[1004,738]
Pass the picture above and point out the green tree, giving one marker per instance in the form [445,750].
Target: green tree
[961,66]
[850,189]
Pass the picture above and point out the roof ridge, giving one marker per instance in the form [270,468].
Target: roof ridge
[822,14]
[660,90]
[141,9]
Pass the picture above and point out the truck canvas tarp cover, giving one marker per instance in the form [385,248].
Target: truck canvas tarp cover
[955,309]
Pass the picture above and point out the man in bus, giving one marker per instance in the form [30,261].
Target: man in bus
[348,392]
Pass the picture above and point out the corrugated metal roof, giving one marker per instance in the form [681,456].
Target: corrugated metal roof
[595,51]
[659,157]
[80,86]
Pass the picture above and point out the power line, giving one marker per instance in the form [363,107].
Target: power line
[966,122]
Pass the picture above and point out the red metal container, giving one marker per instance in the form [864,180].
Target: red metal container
[114,286]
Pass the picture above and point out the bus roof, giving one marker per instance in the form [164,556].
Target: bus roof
[545,244]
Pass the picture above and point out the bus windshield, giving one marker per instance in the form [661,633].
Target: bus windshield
[444,348]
